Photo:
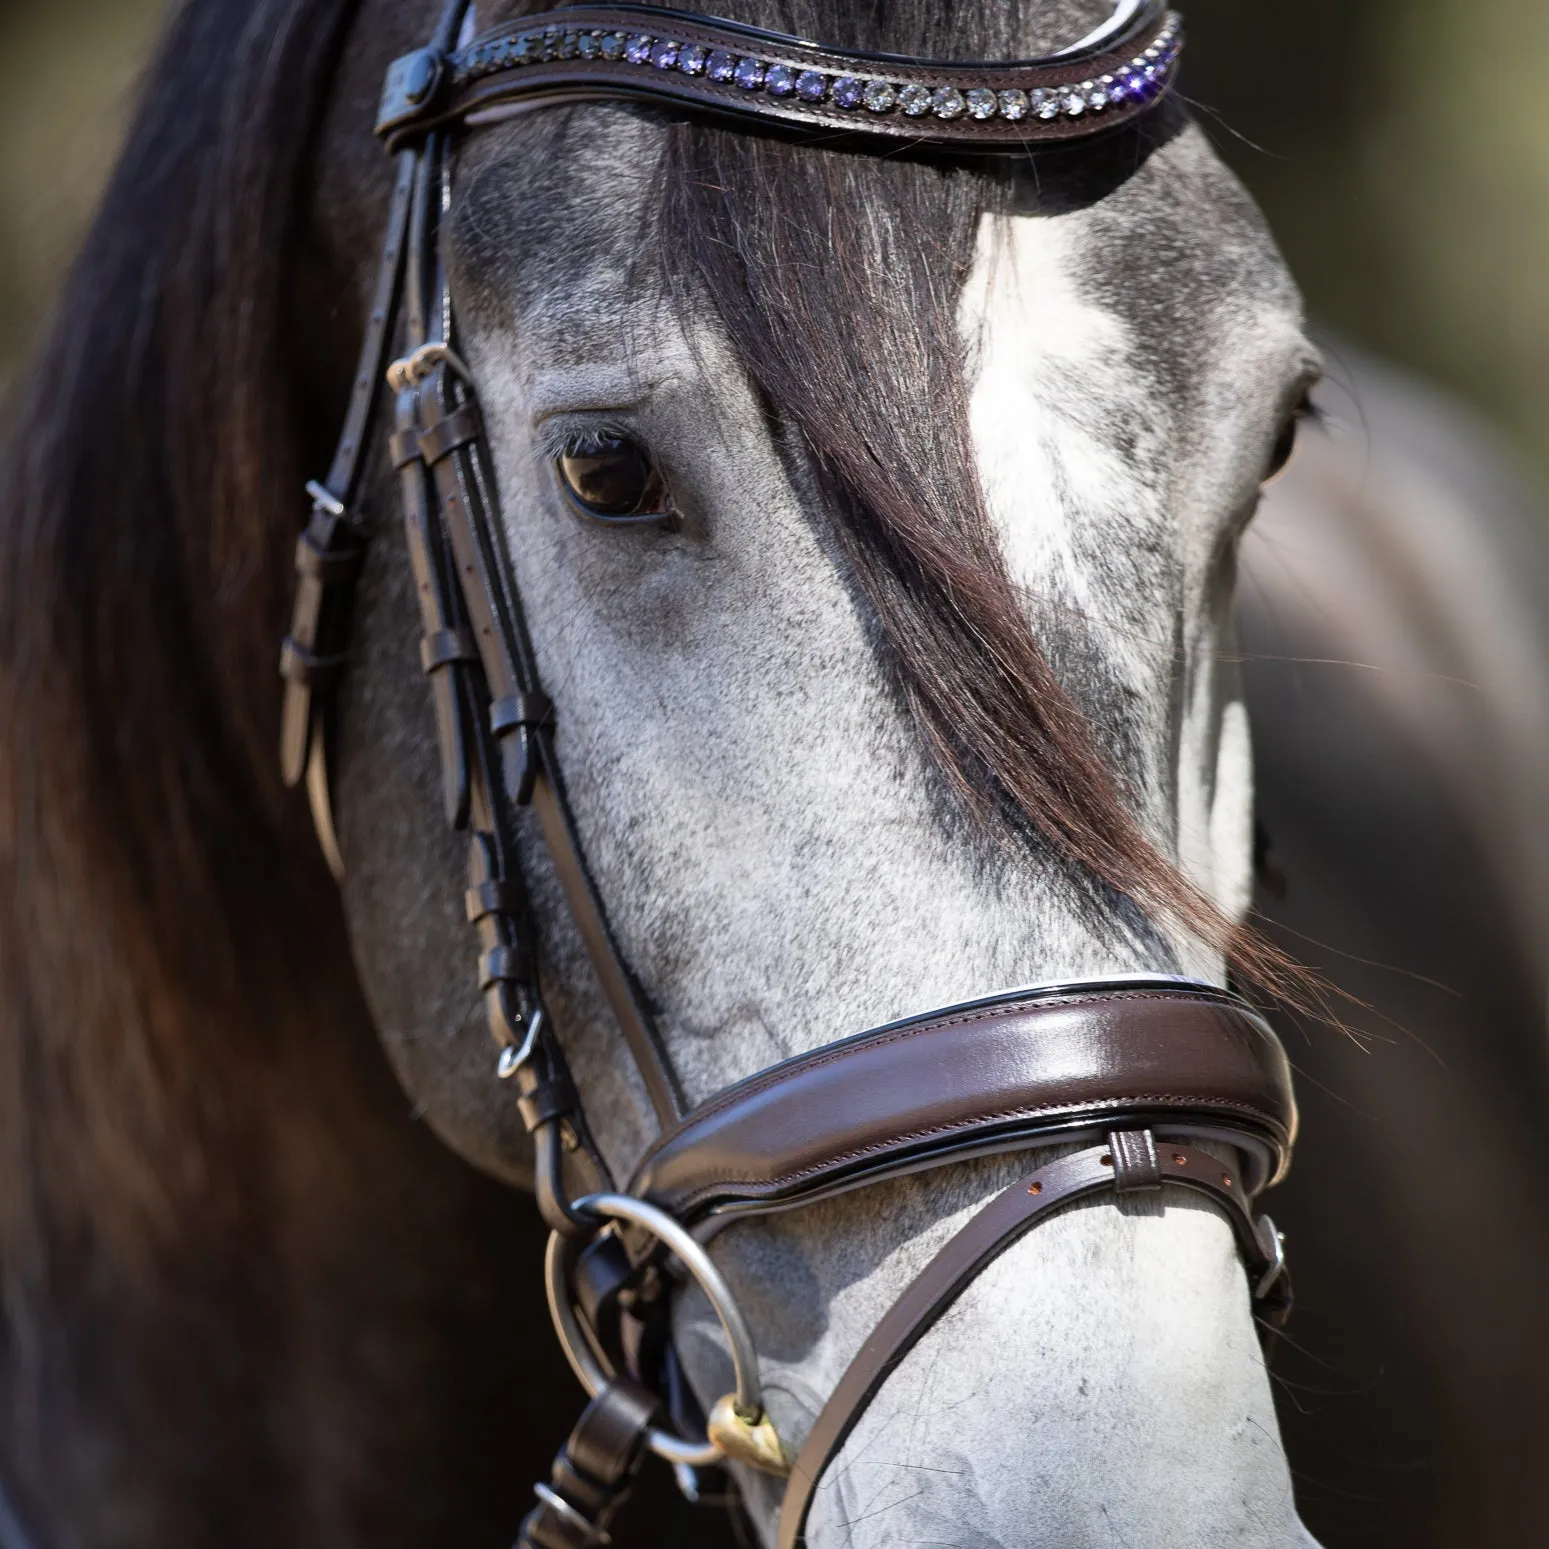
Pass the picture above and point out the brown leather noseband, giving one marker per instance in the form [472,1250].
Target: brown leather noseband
[1134,1073]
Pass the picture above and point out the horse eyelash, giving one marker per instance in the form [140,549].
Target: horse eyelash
[555,435]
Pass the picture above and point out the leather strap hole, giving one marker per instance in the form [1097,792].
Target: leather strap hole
[1106,1159]
[1179,1159]
[1226,1179]
[1035,1188]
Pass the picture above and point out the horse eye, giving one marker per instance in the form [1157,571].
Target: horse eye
[613,478]
[1285,442]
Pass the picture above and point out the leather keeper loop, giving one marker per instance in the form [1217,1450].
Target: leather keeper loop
[299,665]
[403,446]
[1136,1166]
[502,965]
[506,715]
[444,436]
[550,1100]
[446,646]
[494,897]
[330,566]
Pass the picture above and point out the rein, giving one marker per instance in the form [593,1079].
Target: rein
[1137,1072]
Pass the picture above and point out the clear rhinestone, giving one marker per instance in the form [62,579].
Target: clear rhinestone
[692,60]
[982,103]
[1098,94]
[569,45]
[749,74]
[591,45]
[879,96]
[947,102]
[915,100]
[1046,104]
[665,55]
[848,91]
[812,86]
[613,45]
[1073,104]
[722,65]
[780,80]
[1014,105]
[638,50]
[529,47]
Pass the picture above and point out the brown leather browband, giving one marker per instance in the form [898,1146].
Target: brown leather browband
[1001,1074]
[749,75]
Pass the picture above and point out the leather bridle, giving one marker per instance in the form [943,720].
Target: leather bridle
[1139,1076]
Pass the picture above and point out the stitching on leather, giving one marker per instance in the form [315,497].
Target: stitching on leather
[819,1058]
[769,1186]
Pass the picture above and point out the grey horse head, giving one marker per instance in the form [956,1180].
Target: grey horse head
[876,392]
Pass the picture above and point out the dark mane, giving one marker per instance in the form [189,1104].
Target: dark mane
[225,1253]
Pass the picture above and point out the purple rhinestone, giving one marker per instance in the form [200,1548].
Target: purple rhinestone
[722,66]
[1122,82]
[749,74]
[848,90]
[638,50]
[812,86]
[665,55]
[613,46]
[692,60]
[528,48]
[780,80]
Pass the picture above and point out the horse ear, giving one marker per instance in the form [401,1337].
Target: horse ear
[470,27]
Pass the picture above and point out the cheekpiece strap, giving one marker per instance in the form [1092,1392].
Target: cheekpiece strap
[728,70]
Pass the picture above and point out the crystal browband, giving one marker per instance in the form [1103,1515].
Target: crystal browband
[726,69]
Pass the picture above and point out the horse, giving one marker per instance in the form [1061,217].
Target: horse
[916,687]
